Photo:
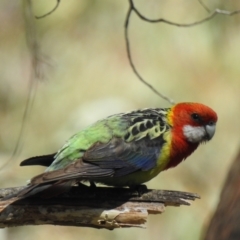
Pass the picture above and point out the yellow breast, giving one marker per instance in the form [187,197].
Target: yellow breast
[140,177]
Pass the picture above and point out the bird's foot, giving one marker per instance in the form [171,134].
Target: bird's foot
[141,189]
[81,185]
[92,184]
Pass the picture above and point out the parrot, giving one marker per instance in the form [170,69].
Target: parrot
[126,149]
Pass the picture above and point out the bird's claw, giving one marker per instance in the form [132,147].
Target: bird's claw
[141,189]
[92,184]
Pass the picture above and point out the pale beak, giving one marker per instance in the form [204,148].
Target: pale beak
[210,130]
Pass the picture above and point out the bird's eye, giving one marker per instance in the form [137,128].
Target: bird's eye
[211,123]
[195,116]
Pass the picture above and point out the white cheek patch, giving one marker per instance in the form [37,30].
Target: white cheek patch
[194,134]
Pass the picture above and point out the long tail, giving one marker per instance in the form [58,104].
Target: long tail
[44,191]
[45,160]
[49,189]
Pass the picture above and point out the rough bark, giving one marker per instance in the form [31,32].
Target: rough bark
[100,207]
[225,223]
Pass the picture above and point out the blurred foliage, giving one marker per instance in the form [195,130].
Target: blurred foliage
[88,77]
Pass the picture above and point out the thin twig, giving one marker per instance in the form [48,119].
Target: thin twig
[47,14]
[204,6]
[131,8]
[212,15]
[36,72]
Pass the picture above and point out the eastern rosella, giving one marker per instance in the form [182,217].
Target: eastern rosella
[127,149]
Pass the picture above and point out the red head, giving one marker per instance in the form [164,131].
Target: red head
[192,123]
[196,121]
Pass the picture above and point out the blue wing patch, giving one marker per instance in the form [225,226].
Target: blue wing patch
[124,157]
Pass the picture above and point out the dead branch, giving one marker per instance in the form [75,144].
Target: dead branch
[100,207]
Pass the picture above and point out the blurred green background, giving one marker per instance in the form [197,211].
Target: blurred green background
[88,77]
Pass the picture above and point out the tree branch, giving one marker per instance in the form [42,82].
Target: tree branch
[130,10]
[50,12]
[210,16]
[100,207]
